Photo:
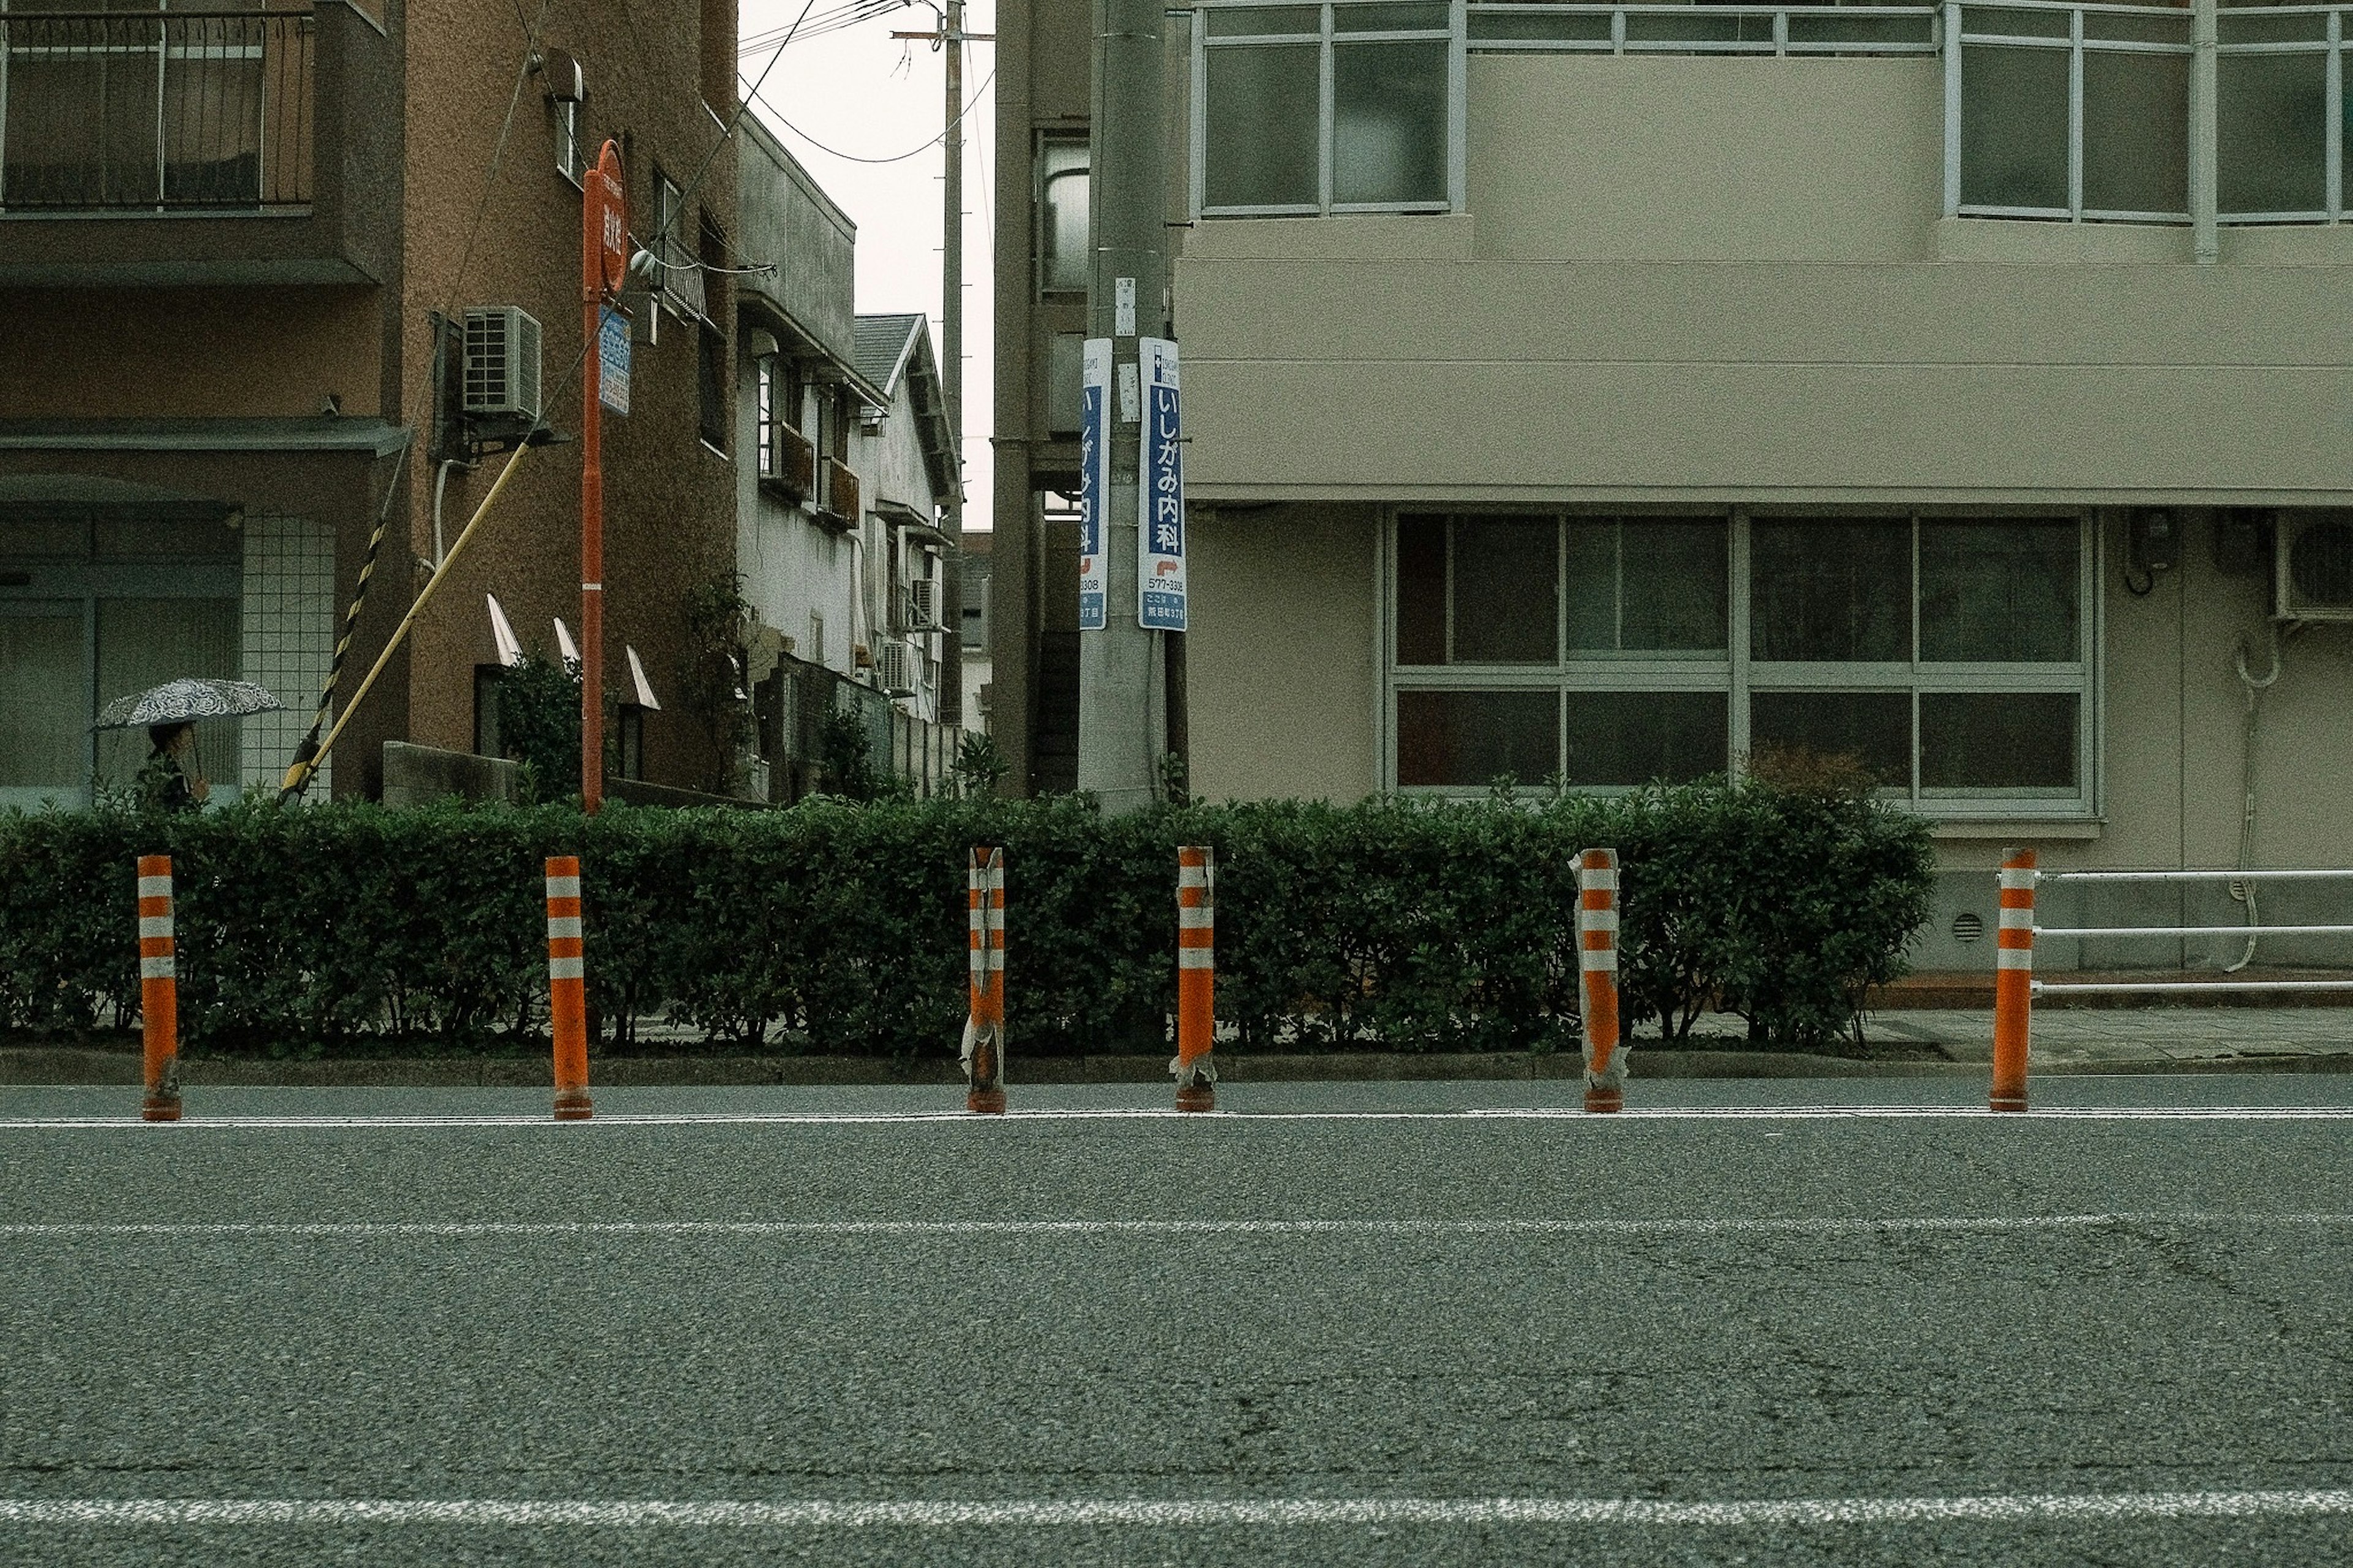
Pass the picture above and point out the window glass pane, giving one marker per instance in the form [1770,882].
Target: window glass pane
[1636,737]
[1504,590]
[2136,133]
[45,536]
[146,642]
[1830,591]
[2014,24]
[2009,741]
[1260,125]
[1062,204]
[1542,26]
[1413,15]
[2272,113]
[1644,585]
[1245,21]
[1836,30]
[42,702]
[166,538]
[1421,590]
[2013,126]
[81,102]
[1871,729]
[2257,28]
[1473,737]
[1066,366]
[1388,132]
[2000,592]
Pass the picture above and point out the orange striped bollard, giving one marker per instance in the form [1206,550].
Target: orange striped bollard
[567,989]
[159,990]
[1597,957]
[1196,978]
[984,1026]
[2013,980]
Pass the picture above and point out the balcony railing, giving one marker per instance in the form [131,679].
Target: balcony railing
[838,500]
[155,111]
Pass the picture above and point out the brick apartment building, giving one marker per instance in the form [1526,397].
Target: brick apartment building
[243,245]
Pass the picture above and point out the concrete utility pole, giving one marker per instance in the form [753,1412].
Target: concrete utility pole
[1121,691]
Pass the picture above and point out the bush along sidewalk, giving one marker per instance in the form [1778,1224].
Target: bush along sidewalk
[839,926]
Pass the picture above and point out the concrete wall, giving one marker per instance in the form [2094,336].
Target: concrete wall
[1279,664]
[791,222]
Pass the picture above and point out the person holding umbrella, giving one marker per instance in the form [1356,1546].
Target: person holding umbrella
[171,779]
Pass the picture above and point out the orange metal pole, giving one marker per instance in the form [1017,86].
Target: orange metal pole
[567,989]
[1597,941]
[2013,980]
[1196,978]
[592,489]
[984,1029]
[159,990]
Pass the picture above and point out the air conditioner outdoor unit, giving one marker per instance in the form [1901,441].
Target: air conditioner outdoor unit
[502,361]
[2312,568]
[922,604]
[898,666]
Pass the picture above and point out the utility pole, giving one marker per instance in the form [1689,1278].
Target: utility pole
[951,37]
[1121,686]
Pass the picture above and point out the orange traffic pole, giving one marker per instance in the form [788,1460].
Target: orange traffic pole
[1196,978]
[2013,980]
[983,1027]
[1596,958]
[567,989]
[159,990]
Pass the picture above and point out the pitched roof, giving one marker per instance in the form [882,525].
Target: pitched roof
[883,347]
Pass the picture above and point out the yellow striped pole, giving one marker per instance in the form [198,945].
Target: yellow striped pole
[1597,957]
[567,989]
[983,1027]
[159,990]
[1196,978]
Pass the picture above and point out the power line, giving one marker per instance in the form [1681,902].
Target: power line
[894,158]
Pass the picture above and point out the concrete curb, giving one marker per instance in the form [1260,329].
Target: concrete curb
[44,1064]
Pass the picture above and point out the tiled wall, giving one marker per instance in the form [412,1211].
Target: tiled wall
[289,636]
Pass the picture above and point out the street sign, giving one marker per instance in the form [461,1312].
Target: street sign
[1160,576]
[1094,481]
[611,199]
[613,356]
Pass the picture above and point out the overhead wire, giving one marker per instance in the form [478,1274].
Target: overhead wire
[980,88]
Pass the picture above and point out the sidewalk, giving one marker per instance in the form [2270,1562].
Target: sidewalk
[1906,1042]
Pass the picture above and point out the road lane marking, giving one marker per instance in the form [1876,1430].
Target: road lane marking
[821,1230]
[1208,1512]
[2056,1114]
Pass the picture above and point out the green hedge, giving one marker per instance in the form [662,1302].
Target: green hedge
[840,927]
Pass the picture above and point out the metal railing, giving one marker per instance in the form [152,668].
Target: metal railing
[156,111]
[2135,987]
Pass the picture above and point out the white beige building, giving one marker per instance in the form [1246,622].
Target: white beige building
[1612,393]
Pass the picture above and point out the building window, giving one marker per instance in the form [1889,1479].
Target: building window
[2084,114]
[1352,106]
[1949,657]
[1063,255]
[488,743]
[711,382]
[629,743]
[765,394]
[681,280]
[565,114]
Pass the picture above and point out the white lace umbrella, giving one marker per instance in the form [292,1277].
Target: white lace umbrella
[185,700]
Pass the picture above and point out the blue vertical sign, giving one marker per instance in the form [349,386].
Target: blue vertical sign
[1094,481]
[1160,578]
[613,360]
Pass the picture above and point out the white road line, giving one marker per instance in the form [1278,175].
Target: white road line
[822,1229]
[2004,1509]
[198,1121]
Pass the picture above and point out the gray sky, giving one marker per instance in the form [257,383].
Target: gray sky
[858,91]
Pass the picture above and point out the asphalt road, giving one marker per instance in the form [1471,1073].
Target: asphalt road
[786,1325]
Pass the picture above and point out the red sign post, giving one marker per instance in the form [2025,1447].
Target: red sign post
[604,266]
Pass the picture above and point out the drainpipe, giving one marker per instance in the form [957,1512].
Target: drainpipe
[2202,157]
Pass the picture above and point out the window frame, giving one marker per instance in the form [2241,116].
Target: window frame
[1041,206]
[1739,676]
[1454,37]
